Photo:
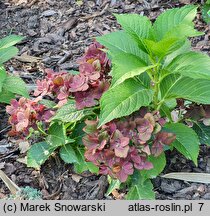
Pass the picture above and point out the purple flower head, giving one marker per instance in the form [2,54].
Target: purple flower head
[84,99]
[63,94]
[127,128]
[22,120]
[43,87]
[25,113]
[98,90]
[145,129]
[78,83]
[96,57]
[89,71]
[96,141]
[13,107]
[47,115]
[94,157]
[143,165]
[157,148]
[123,170]
[139,161]
[91,126]
[120,144]
[110,127]
[165,138]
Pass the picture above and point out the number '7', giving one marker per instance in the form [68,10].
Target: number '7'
[201,205]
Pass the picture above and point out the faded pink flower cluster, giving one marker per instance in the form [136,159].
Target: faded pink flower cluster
[25,113]
[119,147]
[87,86]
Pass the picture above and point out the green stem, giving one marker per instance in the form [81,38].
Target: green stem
[155,98]
[160,104]
[156,88]
[157,85]
[41,131]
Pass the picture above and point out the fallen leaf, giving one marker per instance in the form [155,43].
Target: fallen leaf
[117,195]
[24,146]
[185,1]
[27,58]
[76,177]
[22,160]
[19,2]
[191,177]
[9,183]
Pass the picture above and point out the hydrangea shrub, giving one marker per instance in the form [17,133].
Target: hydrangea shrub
[117,116]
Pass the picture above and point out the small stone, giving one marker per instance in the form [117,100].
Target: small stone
[170,187]
[33,22]
[48,13]
[201,189]
[206,196]
[31,33]
[9,168]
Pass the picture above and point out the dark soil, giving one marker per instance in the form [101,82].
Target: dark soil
[56,34]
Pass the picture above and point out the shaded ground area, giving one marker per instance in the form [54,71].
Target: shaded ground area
[56,34]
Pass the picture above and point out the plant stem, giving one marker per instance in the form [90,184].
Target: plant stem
[41,131]
[155,98]
[156,85]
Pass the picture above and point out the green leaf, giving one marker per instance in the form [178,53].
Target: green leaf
[67,154]
[73,72]
[48,103]
[137,26]
[165,111]
[39,153]
[186,142]
[144,79]
[158,163]
[127,66]
[3,76]
[83,165]
[7,53]
[57,135]
[192,64]
[78,133]
[6,96]
[118,42]
[203,132]
[206,12]
[123,100]
[140,190]
[163,47]
[172,41]
[175,86]
[69,113]
[16,85]
[182,31]
[186,47]
[173,17]
[10,41]
[113,184]
[167,107]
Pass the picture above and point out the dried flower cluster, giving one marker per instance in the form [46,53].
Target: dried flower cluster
[120,146]
[87,86]
[25,114]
